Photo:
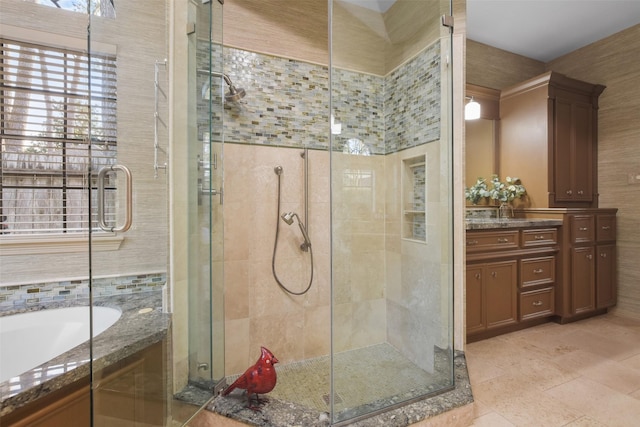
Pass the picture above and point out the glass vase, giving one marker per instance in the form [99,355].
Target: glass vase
[505,211]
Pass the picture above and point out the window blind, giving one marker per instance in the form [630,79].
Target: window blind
[57,129]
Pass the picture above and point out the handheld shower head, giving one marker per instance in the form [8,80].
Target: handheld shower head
[288,217]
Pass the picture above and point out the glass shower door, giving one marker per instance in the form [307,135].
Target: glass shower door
[391,169]
[129,199]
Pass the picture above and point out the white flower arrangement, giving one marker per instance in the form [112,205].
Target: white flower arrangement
[501,191]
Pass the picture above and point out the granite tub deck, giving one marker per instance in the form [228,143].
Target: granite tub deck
[133,332]
[278,413]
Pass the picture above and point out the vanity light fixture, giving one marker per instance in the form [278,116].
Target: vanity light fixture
[472,110]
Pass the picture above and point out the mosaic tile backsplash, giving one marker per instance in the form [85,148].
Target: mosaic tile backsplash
[18,296]
[287,103]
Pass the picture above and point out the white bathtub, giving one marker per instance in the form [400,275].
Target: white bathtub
[28,340]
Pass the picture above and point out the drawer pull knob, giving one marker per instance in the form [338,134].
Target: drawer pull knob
[477,276]
[503,240]
[540,237]
[569,192]
[537,303]
[583,228]
[606,227]
[603,254]
[580,192]
[494,274]
[472,242]
[589,256]
[538,271]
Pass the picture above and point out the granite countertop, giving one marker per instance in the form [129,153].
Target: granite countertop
[135,330]
[491,223]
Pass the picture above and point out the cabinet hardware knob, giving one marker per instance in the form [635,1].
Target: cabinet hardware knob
[589,256]
[472,242]
[477,276]
[537,303]
[603,254]
[583,228]
[569,192]
[494,274]
[580,192]
[538,237]
[606,227]
[538,271]
[503,240]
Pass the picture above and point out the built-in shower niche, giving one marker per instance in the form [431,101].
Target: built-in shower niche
[414,199]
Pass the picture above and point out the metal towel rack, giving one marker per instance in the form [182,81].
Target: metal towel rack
[157,120]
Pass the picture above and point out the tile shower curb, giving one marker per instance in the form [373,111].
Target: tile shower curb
[277,413]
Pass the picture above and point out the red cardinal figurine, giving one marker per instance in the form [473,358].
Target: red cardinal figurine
[258,379]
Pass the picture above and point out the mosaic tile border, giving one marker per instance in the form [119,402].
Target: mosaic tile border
[287,103]
[17,296]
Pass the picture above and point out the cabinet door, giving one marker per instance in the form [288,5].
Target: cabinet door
[475,300]
[573,151]
[563,152]
[606,292]
[583,152]
[501,297]
[582,279]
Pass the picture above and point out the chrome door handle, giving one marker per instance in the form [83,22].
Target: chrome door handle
[128,188]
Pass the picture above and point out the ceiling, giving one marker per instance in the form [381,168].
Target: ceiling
[547,29]
[539,29]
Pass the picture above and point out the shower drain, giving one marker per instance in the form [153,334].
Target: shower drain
[336,398]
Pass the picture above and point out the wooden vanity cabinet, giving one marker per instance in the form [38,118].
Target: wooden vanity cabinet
[510,279]
[605,254]
[587,279]
[491,296]
[548,139]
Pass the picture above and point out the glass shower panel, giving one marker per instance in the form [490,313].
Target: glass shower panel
[391,168]
[206,328]
[129,239]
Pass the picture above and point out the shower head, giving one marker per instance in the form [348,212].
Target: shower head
[288,217]
[234,94]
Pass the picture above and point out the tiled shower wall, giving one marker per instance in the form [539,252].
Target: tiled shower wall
[287,103]
[286,109]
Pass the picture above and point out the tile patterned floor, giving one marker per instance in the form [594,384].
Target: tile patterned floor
[585,373]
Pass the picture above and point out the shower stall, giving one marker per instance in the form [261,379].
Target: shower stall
[337,210]
[269,173]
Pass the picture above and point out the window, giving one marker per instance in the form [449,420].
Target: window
[94,7]
[50,99]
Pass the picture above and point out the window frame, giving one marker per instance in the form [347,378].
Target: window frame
[70,65]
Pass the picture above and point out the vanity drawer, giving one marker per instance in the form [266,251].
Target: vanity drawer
[605,228]
[491,241]
[537,304]
[537,271]
[582,228]
[539,237]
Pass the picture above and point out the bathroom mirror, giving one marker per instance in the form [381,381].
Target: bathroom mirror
[481,141]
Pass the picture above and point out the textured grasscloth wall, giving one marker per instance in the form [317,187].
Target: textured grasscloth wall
[496,68]
[613,62]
